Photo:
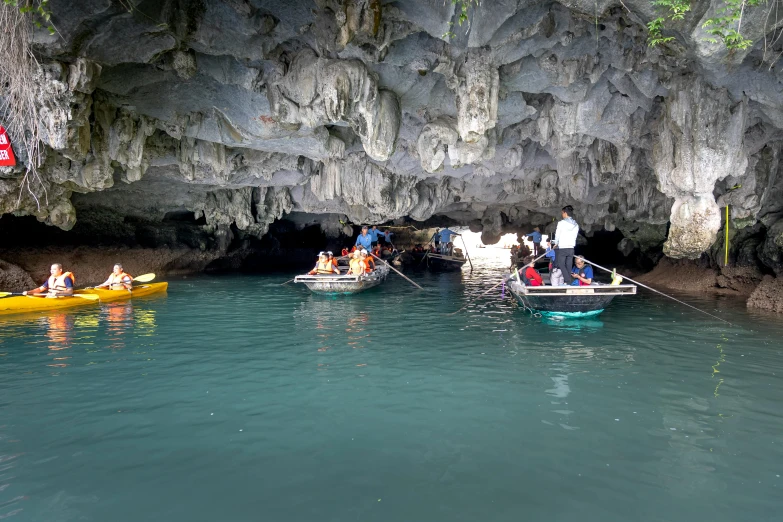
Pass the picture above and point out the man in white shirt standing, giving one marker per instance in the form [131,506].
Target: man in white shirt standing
[565,240]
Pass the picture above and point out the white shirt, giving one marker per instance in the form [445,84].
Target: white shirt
[565,235]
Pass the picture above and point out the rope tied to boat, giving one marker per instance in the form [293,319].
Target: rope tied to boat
[658,292]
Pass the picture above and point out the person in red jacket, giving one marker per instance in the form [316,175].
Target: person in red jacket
[530,275]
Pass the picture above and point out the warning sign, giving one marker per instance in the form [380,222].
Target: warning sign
[7,158]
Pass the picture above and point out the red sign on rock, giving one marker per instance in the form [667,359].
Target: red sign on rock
[7,158]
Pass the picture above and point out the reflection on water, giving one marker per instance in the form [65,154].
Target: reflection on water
[58,328]
[118,318]
[571,324]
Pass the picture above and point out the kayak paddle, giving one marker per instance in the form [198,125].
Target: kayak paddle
[143,278]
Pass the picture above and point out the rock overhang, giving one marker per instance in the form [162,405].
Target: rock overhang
[244,111]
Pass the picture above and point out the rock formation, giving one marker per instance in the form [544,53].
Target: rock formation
[241,112]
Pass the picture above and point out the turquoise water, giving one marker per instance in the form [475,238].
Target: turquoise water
[237,399]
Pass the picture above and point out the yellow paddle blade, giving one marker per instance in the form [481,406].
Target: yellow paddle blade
[89,297]
[144,278]
[3,294]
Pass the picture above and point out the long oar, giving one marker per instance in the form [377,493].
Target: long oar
[466,250]
[657,292]
[398,272]
[89,297]
[497,285]
[289,281]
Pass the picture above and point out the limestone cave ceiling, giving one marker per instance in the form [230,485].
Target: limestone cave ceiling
[244,110]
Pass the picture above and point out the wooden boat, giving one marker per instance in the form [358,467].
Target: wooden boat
[568,301]
[344,284]
[27,303]
[441,263]
[139,290]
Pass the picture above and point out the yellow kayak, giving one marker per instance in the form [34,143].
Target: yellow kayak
[117,295]
[26,303]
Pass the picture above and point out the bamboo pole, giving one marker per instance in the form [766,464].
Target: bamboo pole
[500,283]
[398,272]
[466,250]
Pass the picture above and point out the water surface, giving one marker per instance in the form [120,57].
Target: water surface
[237,399]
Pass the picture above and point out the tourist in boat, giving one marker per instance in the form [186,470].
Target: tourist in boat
[323,266]
[345,252]
[368,260]
[514,256]
[356,266]
[565,241]
[118,280]
[550,254]
[333,260]
[583,273]
[535,236]
[530,275]
[556,277]
[364,240]
[59,283]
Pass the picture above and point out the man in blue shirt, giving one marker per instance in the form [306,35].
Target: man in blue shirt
[364,240]
[59,283]
[374,233]
[535,236]
[582,272]
[444,236]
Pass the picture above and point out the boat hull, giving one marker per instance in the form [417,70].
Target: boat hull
[441,263]
[344,284]
[142,290]
[576,301]
[27,304]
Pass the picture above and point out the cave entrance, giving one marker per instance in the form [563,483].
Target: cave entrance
[505,243]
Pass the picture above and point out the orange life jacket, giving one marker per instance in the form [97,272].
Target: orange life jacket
[115,280]
[370,265]
[58,283]
[334,262]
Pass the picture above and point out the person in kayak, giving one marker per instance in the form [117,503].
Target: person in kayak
[59,283]
[565,239]
[364,240]
[118,280]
